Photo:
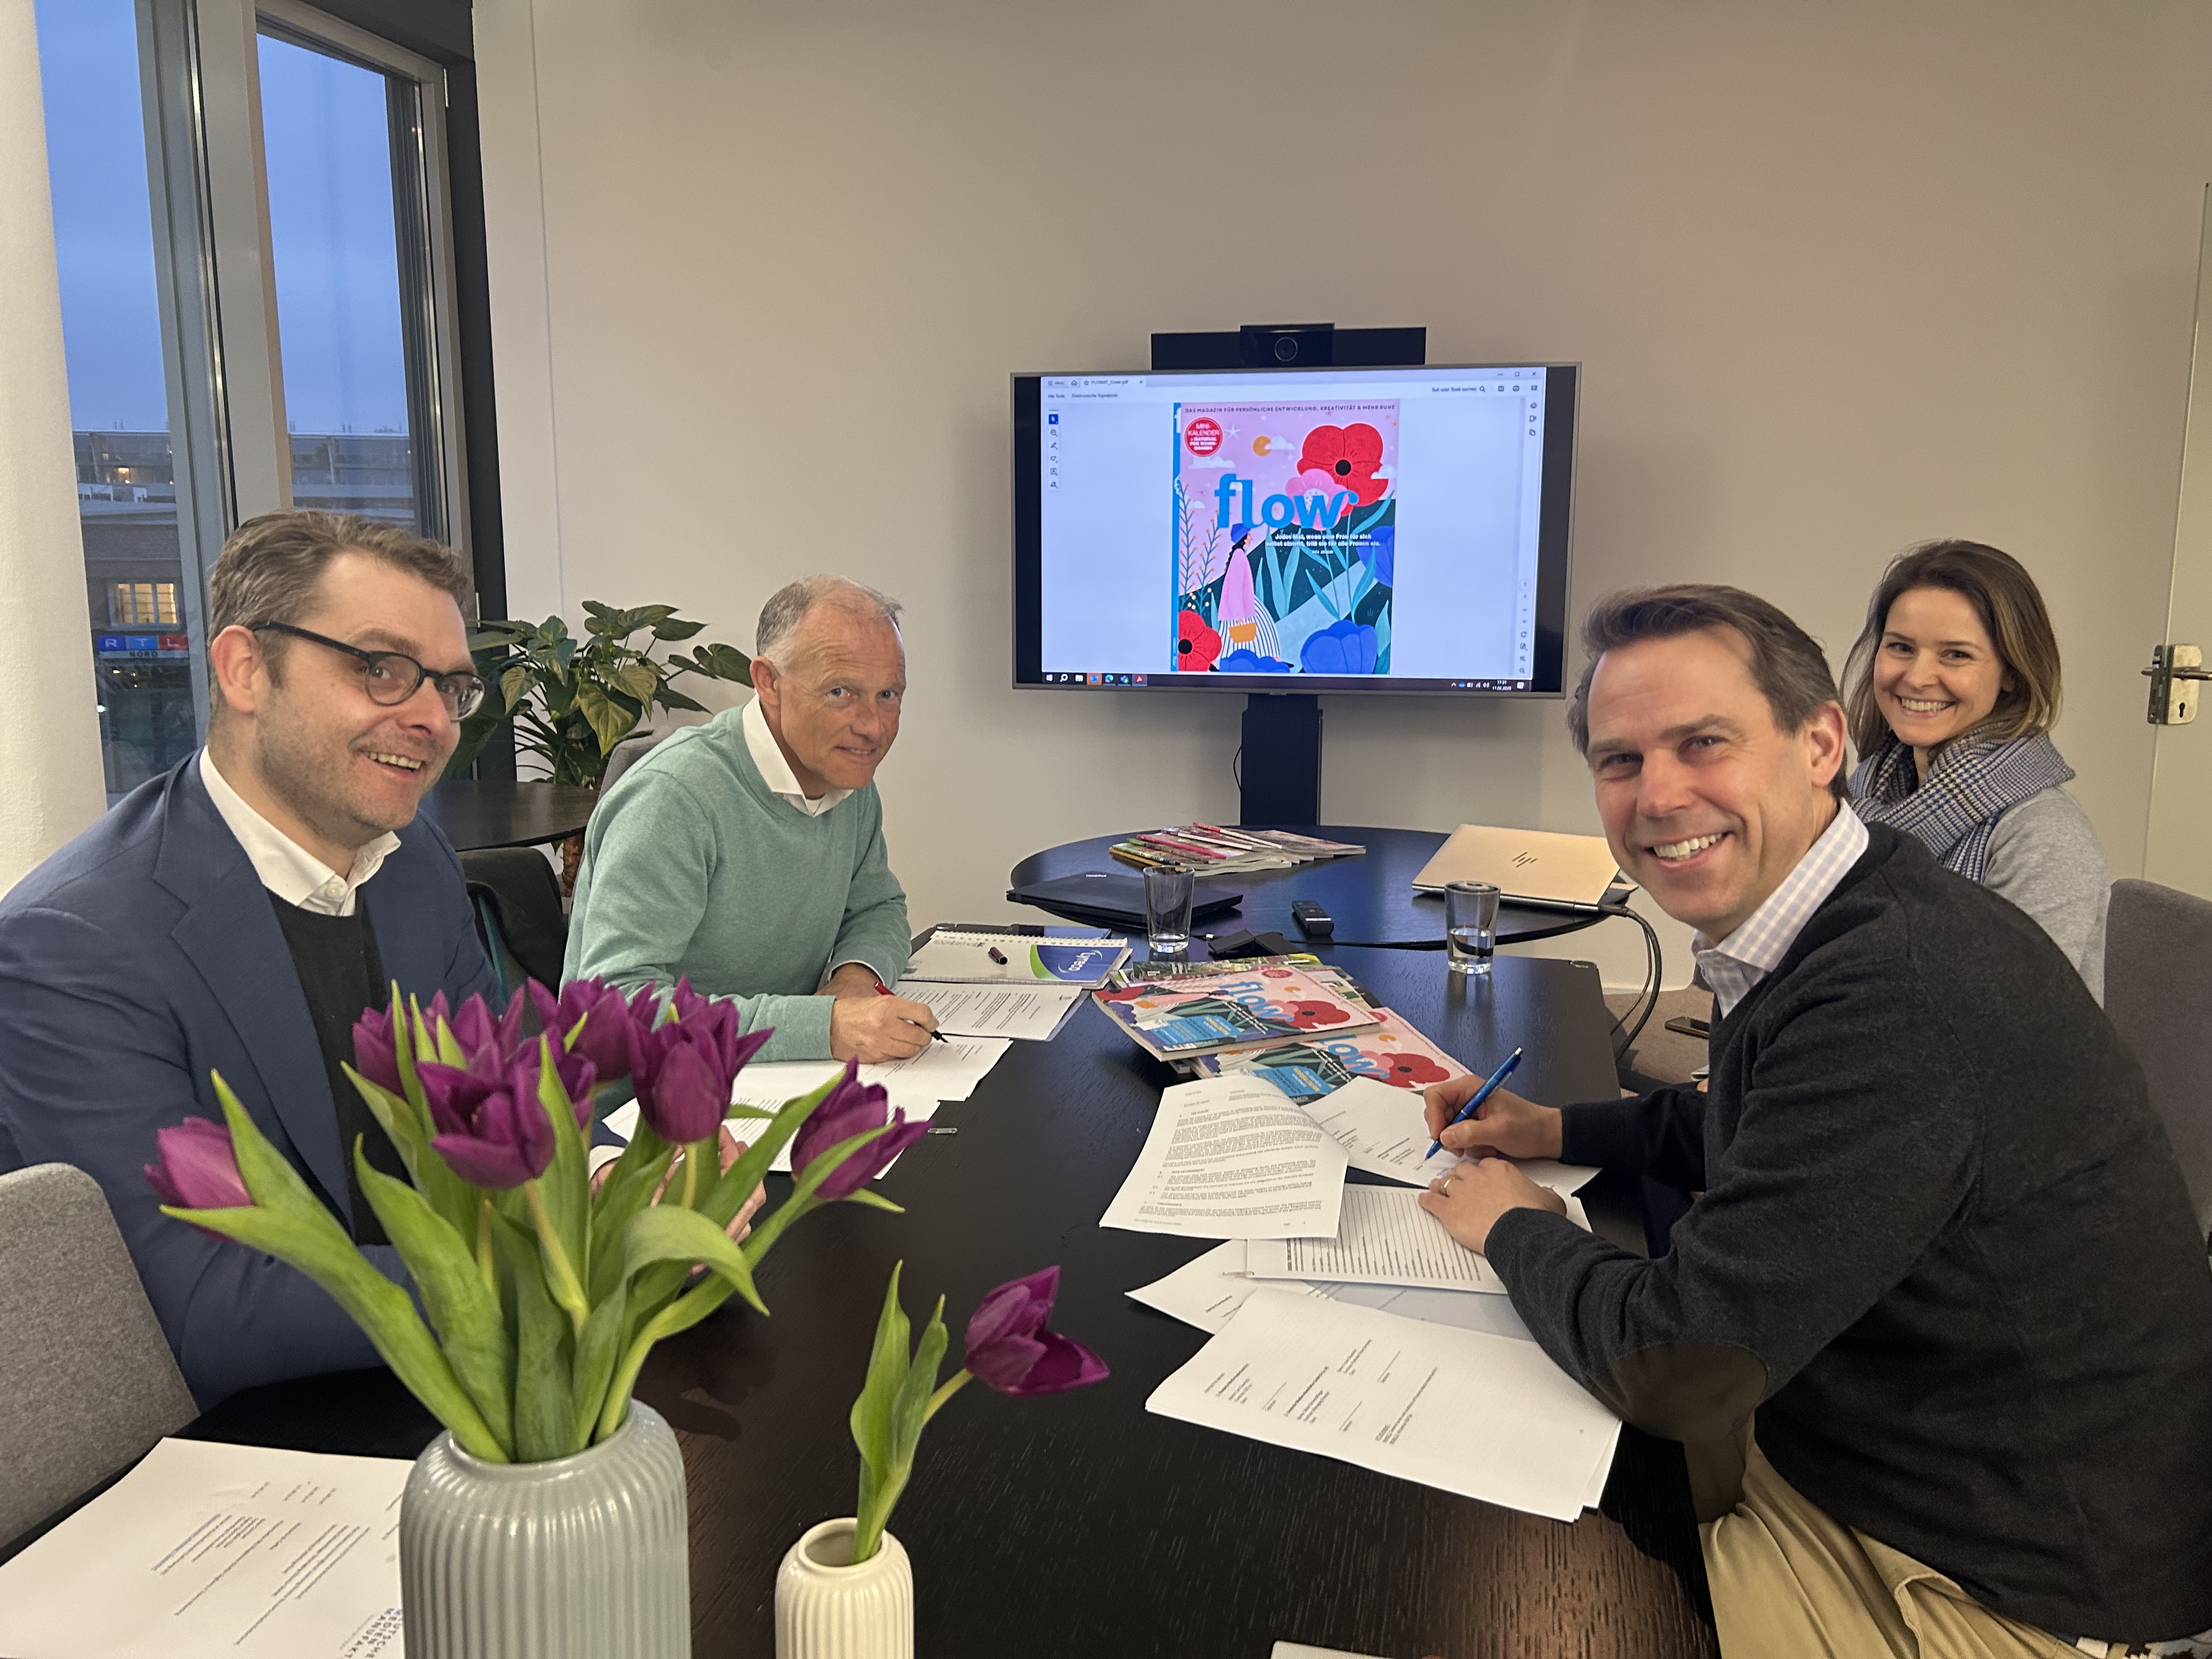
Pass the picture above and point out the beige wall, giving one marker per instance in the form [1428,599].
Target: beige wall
[1843,276]
[51,786]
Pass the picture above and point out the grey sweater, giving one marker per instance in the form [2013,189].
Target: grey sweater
[2044,857]
[1943,1249]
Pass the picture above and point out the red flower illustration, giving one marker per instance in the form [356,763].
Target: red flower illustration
[1349,454]
[1406,1071]
[1196,645]
[1274,973]
[1307,1015]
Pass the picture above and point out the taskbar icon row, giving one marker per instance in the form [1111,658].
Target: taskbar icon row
[1056,679]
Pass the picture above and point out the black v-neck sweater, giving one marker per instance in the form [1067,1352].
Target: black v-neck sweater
[1943,1250]
[341,973]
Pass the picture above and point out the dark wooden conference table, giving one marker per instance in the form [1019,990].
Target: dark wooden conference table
[1078,1524]
[479,813]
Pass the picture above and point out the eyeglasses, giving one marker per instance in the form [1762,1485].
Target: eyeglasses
[393,676]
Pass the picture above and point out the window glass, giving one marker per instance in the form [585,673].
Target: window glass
[111,333]
[326,130]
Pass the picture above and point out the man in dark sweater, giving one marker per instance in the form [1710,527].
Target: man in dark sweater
[238,914]
[1941,1248]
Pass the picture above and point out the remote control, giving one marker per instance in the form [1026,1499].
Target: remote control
[1313,921]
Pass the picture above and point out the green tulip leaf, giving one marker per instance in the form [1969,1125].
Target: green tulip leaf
[464,1311]
[671,1233]
[543,1337]
[595,1353]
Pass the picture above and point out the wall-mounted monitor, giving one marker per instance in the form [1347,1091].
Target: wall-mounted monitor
[1295,530]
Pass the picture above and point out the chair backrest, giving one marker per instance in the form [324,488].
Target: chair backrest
[628,753]
[519,915]
[87,1381]
[2158,990]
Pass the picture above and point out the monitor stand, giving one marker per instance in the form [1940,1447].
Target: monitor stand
[1282,769]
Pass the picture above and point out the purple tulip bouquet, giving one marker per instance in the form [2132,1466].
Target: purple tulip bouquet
[544,1290]
[1008,1349]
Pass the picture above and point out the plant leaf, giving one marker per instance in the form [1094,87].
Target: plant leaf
[669,1233]
[464,1311]
[595,1366]
[543,1389]
[637,679]
[609,721]
[670,627]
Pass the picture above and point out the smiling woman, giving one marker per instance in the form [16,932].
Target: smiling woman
[1952,687]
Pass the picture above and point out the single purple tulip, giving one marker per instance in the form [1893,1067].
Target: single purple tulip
[608,1036]
[1010,1350]
[375,1050]
[854,1108]
[474,1028]
[495,1133]
[510,1038]
[687,1097]
[198,1169]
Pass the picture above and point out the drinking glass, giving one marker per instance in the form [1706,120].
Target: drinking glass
[1470,925]
[1167,912]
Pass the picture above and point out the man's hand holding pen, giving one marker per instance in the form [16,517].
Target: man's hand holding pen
[1469,1199]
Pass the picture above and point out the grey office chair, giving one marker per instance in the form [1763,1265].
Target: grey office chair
[628,753]
[2158,990]
[87,1382]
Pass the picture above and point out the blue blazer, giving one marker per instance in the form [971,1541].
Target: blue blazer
[144,955]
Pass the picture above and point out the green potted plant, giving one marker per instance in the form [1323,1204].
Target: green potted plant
[571,701]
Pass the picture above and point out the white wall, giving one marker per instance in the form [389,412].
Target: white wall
[50,785]
[1843,278]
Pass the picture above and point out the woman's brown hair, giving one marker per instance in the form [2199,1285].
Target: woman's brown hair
[2006,598]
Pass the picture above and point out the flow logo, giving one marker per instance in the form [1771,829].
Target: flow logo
[1314,512]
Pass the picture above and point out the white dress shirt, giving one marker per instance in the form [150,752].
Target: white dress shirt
[1731,967]
[776,771]
[286,868]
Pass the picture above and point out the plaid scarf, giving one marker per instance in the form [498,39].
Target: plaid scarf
[1972,784]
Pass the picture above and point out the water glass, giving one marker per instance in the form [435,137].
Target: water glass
[1167,912]
[1470,925]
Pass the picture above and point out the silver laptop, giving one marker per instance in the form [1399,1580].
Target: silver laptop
[1529,866]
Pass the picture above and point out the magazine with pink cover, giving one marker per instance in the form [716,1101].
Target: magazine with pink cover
[1320,1064]
[1284,528]
[1175,1018]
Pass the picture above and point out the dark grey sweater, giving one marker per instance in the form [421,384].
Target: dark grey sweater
[1943,1249]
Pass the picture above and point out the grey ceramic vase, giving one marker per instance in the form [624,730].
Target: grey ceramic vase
[583,1557]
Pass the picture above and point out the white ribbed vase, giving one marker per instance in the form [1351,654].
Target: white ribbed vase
[827,1609]
[582,1558]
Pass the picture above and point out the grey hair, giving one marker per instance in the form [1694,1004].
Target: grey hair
[790,604]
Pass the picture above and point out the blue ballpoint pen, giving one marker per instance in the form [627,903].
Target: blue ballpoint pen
[1480,1094]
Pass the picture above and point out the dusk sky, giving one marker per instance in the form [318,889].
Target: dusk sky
[327,136]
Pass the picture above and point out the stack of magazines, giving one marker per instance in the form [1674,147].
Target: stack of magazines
[1306,1027]
[1210,850]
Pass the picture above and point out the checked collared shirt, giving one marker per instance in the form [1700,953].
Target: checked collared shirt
[1730,967]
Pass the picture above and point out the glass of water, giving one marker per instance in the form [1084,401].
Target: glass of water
[1470,925]
[1167,912]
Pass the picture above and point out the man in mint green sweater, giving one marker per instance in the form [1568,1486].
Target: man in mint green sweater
[748,853]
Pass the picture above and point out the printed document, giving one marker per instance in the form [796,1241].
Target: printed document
[1386,1238]
[1207,1293]
[1463,1411]
[1231,1157]
[207,1549]
[1032,1013]
[1384,1132]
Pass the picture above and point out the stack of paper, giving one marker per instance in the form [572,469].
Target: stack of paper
[1231,1157]
[1216,851]
[1206,1292]
[1033,1013]
[1178,1019]
[1384,1130]
[1384,1236]
[1470,1413]
[207,1549]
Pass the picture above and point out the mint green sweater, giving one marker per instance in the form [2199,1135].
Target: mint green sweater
[692,866]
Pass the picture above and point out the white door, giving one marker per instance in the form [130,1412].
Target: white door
[2177,851]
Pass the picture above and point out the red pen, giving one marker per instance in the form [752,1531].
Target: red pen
[883,990]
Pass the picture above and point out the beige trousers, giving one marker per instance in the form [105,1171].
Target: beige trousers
[1790,1582]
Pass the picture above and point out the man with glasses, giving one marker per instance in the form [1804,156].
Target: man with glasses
[238,914]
